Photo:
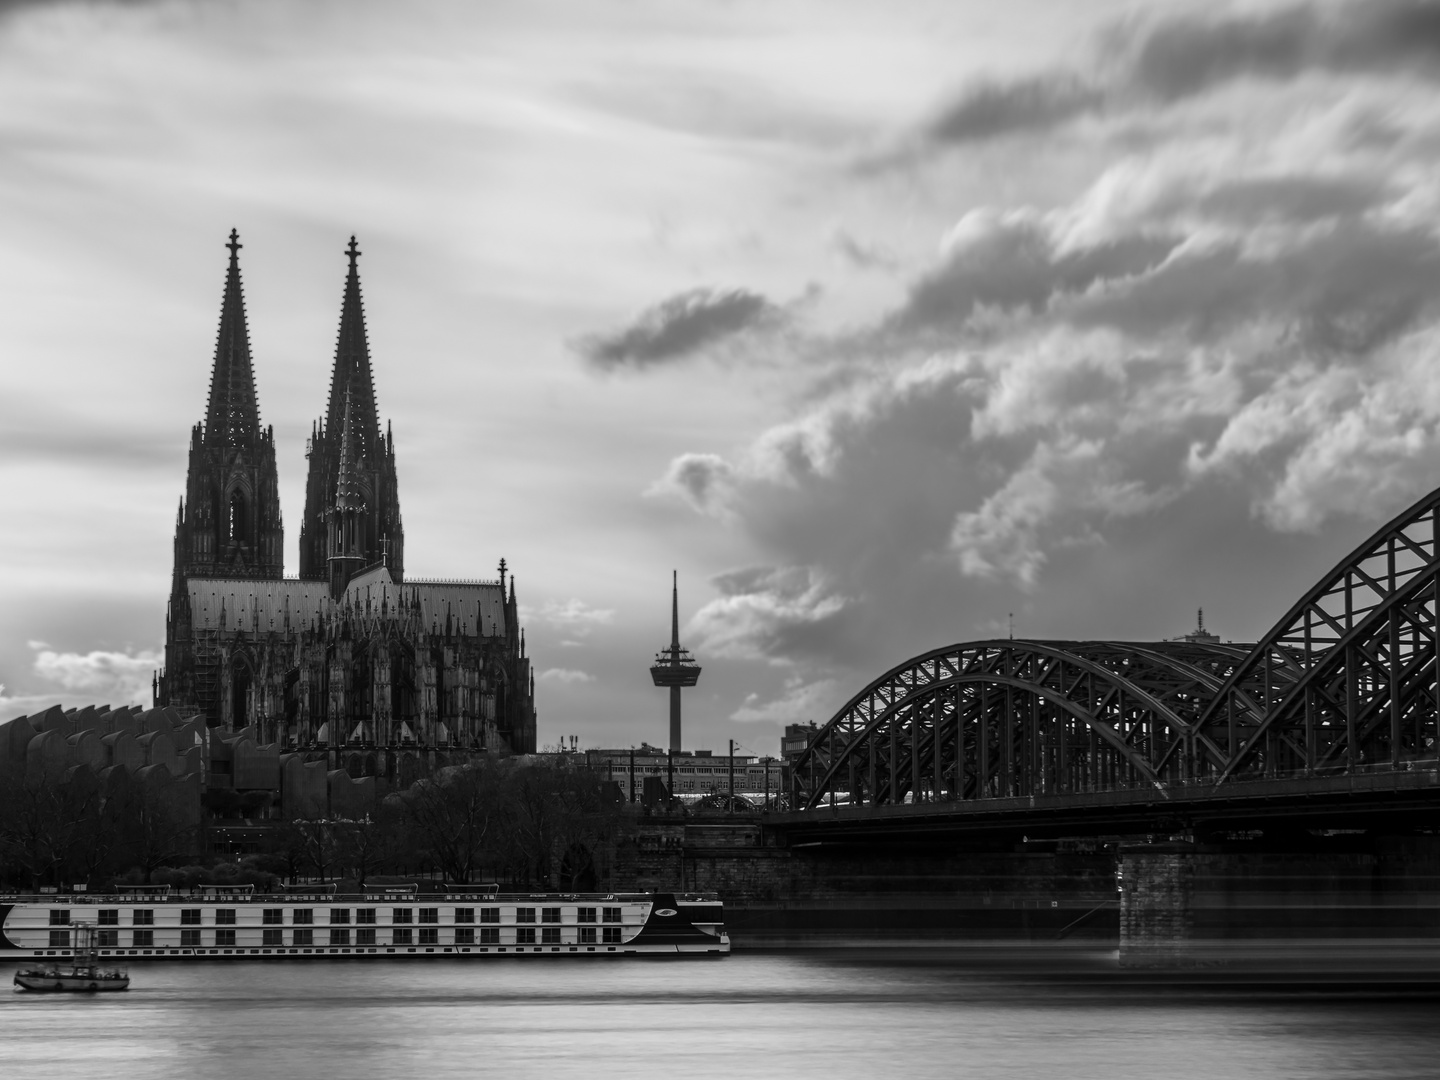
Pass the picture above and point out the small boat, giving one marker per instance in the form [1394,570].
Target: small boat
[84,975]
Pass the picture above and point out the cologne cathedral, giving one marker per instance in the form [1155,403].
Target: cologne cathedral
[350,662]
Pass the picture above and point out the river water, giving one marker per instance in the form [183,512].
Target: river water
[868,1014]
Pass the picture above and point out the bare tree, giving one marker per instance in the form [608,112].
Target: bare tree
[556,812]
[157,827]
[370,844]
[285,843]
[53,830]
[456,817]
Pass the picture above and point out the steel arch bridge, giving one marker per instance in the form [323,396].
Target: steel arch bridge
[1347,683]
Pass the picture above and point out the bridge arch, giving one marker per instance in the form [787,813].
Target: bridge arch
[1002,719]
[1347,681]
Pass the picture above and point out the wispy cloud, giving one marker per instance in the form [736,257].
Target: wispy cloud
[799,702]
[858,253]
[564,676]
[573,616]
[101,675]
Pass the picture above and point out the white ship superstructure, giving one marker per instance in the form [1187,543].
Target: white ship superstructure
[235,922]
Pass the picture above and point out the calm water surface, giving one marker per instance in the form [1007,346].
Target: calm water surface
[793,1015]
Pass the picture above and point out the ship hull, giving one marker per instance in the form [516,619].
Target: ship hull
[46,983]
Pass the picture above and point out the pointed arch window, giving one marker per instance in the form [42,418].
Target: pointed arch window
[240,697]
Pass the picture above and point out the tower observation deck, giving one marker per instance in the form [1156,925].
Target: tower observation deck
[674,667]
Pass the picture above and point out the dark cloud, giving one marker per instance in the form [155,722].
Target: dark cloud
[1346,290]
[1349,285]
[8,6]
[702,480]
[1171,59]
[1292,199]
[681,326]
[1189,55]
[1010,263]
[1034,104]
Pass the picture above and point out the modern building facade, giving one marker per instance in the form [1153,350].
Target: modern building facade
[350,661]
[796,738]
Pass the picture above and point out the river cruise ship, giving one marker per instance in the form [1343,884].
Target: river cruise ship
[234,922]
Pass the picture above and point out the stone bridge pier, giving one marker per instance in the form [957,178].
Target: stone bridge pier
[1157,905]
[1297,899]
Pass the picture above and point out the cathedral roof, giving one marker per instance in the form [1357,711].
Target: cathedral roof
[262,606]
[379,574]
[232,417]
[351,375]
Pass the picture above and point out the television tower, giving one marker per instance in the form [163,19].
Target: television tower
[674,667]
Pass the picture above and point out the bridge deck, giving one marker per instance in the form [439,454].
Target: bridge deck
[1408,797]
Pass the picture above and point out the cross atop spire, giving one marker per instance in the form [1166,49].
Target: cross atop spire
[234,245]
[354,252]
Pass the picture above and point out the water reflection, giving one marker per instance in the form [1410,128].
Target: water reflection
[830,1014]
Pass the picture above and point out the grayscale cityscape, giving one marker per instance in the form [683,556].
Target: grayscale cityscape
[822,540]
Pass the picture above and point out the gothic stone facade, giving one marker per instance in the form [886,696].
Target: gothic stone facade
[349,662]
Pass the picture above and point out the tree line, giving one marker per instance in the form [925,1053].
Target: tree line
[517,821]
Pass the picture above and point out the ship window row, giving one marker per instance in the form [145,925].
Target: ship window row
[275,936]
[191,916]
[609,914]
[342,916]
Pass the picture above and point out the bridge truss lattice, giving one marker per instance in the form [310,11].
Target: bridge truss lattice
[1348,681]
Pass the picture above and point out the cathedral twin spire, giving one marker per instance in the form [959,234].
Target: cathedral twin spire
[230,520]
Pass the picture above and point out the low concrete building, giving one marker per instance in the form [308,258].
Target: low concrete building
[697,772]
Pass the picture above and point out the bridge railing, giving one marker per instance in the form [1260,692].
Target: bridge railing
[1241,784]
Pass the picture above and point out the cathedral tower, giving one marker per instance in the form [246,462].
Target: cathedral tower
[229,522]
[372,480]
[346,665]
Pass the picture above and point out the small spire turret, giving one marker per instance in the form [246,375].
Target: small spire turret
[346,517]
[349,493]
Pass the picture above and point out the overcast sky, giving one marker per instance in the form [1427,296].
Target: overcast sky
[879,322]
